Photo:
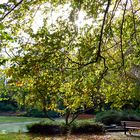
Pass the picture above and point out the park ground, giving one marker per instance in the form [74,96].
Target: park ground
[107,136]
[14,128]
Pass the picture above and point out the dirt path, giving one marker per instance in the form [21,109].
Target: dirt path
[108,136]
[121,136]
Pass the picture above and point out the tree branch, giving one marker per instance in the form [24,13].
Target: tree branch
[11,10]
[100,38]
[102,29]
[134,23]
[121,35]
[114,10]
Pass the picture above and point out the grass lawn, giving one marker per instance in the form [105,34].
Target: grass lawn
[14,136]
[14,119]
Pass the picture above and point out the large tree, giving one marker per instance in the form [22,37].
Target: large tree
[80,54]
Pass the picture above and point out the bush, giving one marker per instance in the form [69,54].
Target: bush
[44,128]
[4,106]
[60,128]
[87,128]
[53,114]
[115,117]
[34,113]
[39,113]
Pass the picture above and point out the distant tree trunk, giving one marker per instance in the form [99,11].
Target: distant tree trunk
[67,117]
[45,111]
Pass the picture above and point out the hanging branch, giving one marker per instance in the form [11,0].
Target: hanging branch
[102,29]
[134,23]
[11,10]
[7,52]
[99,56]
[121,35]
[114,10]
[100,38]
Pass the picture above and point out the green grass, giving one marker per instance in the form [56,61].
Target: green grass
[85,121]
[14,136]
[24,136]
[14,119]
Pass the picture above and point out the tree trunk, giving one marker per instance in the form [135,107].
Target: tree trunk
[67,117]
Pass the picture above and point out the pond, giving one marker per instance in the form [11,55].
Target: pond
[14,127]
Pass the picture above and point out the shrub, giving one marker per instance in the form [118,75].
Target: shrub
[87,128]
[108,117]
[39,113]
[34,113]
[115,117]
[4,106]
[53,114]
[60,128]
[44,128]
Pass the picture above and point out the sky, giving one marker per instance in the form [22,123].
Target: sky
[3,1]
[53,15]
